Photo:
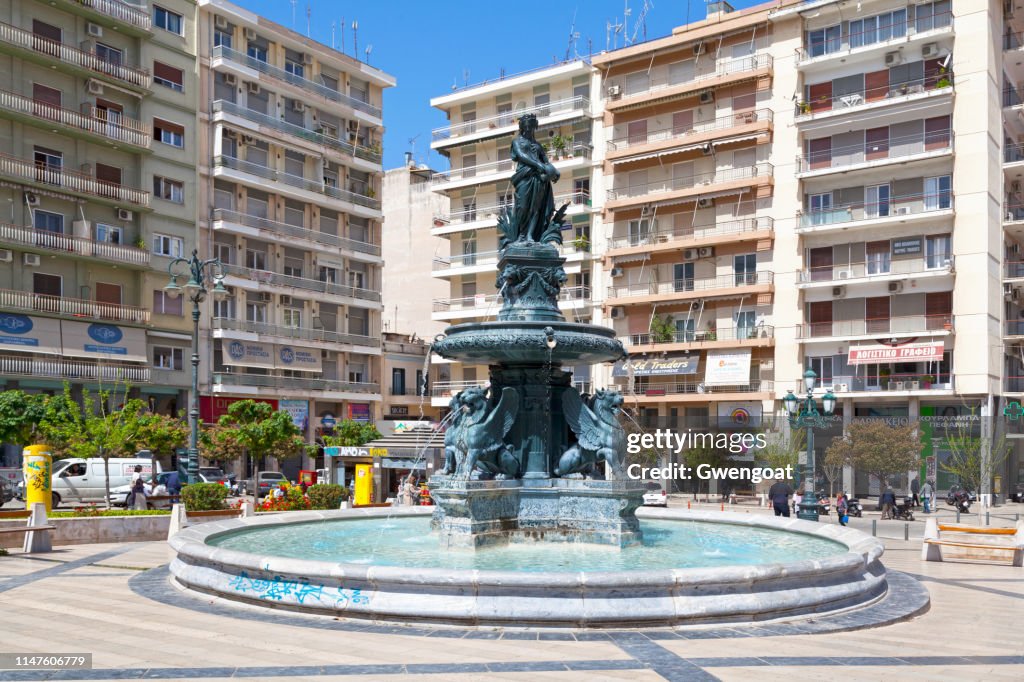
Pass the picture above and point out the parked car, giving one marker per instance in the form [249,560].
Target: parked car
[119,495]
[84,480]
[267,480]
[7,491]
[217,475]
[656,496]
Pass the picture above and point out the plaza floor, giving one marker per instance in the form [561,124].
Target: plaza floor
[102,599]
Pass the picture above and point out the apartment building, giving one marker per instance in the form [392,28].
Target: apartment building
[691,211]
[482,121]
[291,175]
[409,375]
[97,193]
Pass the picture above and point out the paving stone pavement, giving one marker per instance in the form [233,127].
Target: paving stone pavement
[114,601]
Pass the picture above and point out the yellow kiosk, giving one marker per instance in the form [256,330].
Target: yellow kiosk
[364,484]
[37,468]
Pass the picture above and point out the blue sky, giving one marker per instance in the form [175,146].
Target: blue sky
[430,45]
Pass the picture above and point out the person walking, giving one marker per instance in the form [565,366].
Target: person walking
[915,489]
[841,508]
[798,498]
[409,492]
[138,493]
[927,493]
[779,495]
[888,502]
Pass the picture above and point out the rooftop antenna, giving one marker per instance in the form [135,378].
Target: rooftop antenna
[333,26]
[465,77]
[626,11]
[367,51]
[309,18]
[612,30]
[355,38]
[574,35]
[641,21]
[341,31]
[412,144]
[294,2]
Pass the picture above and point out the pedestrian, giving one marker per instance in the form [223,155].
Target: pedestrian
[841,508]
[798,498]
[915,489]
[129,502]
[409,492]
[173,484]
[927,495]
[888,502]
[138,493]
[779,495]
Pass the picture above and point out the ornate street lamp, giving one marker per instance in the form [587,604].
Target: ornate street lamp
[200,273]
[804,415]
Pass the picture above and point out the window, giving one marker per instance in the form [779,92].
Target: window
[823,368]
[255,312]
[824,40]
[222,38]
[48,165]
[938,192]
[169,190]
[879,257]
[164,245]
[224,309]
[820,208]
[109,234]
[878,28]
[257,260]
[686,329]
[257,52]
[295,68]
[222,252]
[108,54]
[293,318]
[932,15]
[468,248]
[876,203]
[165,305]
[640,231]
[397,381]
[168,20]
[168,76]
[682,276]
[746,324]
[328,274]
[745,269]
[48,222]
[168,133]
[165,357]
[108,293]
[937,250]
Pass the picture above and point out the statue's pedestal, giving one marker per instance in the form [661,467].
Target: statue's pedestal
[475,514]
[530,276]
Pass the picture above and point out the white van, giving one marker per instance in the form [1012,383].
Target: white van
[82,480]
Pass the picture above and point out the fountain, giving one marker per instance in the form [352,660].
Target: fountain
[526,530]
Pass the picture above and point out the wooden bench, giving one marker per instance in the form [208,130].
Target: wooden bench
[20,514]
[25,529]
[973,542]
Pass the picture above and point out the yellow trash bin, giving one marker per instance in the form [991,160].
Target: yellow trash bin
[37,467]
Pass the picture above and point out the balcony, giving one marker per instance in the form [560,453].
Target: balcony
[623,94]
[909,325]
[487,216]
[131,16]
[938,85]
[887,383]
[290,281]
[887,37]
[277,73]
[724,179]
[317,138]
[1014,213]
[880,153]
[490,304]
[1014,384]
[1014,328]
[901,209]
[677,389]
[232,221]
[19,235]
[293,383]
[91,122]
[878,270]
[496,170]
[64,369]
[73,182]
[71,307]
[737,284]
[760,335]
[674,238]
[669,138]
[88,64]
[1013,153]
[295,333]
[1013,270]
[501,124]
[296,181]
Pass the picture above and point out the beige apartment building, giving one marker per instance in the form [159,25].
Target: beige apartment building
[482,121]
[97,193]
[290,174]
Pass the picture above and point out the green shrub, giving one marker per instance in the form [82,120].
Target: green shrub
[77,514]
[204,496]
[326,495]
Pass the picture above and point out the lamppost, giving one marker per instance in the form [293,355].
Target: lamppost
[199,271]
[804,414]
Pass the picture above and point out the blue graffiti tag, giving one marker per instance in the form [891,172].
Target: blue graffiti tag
[300,590]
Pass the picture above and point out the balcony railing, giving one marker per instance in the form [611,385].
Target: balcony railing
[891,149]
[674,234]
[882,267]
[72,307]
[652,389]
[72,181]
[894,207]
[1015,384]
[678,132]
[691,181]
[1014,212]
[881,35]
[581,151]
[1015,328]
[924,381]
[299,383]
[298,232]
[1014,270]
[464,260]
[91,120]
[365,153]
[62,368]
[761,331]
[723,67]
[506,119]
[907,324]
[282,280]
[53,241]
[280,74]
[301,333]
[866,96]
[484,301]
[26,40]
[469,215]
[1013,153]
[684,286]
[130,14]
[1013,41]
[296,181]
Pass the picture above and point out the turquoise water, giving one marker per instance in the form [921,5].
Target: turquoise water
[409,542]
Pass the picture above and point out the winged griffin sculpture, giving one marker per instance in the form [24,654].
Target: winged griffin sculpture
[478,438]
[597,428]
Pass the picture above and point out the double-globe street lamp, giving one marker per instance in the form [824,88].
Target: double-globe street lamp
[803,414]
[200,272]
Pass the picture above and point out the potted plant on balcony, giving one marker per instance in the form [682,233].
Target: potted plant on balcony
[558,145]
[712,331]
[804,107]
[663,329]
[883,376]
[927,380]
[140,243]
[581,243]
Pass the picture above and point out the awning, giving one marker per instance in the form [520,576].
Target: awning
[631,258]
[911,352]
[104,341]
[248,354]
[651,367]
[654,155]
[731,140]
[29,334]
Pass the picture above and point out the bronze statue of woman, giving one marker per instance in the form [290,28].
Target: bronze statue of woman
[535,200]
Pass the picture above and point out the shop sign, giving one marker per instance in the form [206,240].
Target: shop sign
[906,247]
[652,367]
[727,368]
[32,334]
[298,410]
[103,341]
[359,412]
[918,352]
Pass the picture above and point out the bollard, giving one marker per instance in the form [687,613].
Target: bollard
[958,516]
[722,507]
[874,528]
[906,531]
[988,522]
[687,504]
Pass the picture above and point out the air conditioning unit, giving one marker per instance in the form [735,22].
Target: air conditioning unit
[893,58]
[929,50]
[616,272]
[707,97]
[230,79]
[842,388]
[94,87]
[31,259]
[86,168]
[846,274]
[124,214]
[6,256]
[706,251]
[902,210]
[253,88]
[618,312]
[31,199]
[912,385]
[705,203]
[298,105]
[265,297]
[613,91]
[695,306]
[250,34]
[286,300]
[838,292]
[699,49]
[895,287]
[307,59]
[219,21]
[707,149]
[897,385]
[248,139]
[689,254]
[94,30]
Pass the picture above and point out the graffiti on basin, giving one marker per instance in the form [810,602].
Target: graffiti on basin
[300,590]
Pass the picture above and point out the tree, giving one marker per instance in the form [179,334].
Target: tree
[349,433]
[782,449]
[703,454]
[219,444]
[262,430]
[877,448]
[162,434]
[967,455]
[832,468]
[27,418]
